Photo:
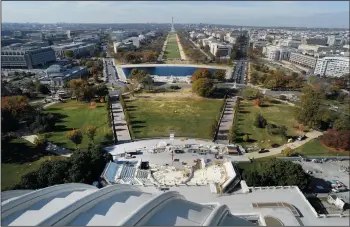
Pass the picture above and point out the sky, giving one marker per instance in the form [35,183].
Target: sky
[325,14]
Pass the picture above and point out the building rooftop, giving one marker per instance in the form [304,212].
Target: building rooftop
[117,205]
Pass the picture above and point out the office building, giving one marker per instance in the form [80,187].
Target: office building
[16,56]
[79,49]
[314,41]
[276,53]
[290,43]
[258,44]
[303,60]
[332,66]
[221,50]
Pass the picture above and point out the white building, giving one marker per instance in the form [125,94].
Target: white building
[332,66]
[126,205]
[260,43]
[276,53]
[290,43]
[222,49]
[78,49]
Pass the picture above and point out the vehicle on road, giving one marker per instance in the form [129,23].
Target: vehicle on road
[300,138]
[263,150]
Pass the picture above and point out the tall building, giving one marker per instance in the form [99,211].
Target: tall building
[26,58]
[332,66]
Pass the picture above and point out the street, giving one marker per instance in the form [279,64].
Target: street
[111,74]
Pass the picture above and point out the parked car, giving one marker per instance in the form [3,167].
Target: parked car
[300,138]
[263,150]
[275,145]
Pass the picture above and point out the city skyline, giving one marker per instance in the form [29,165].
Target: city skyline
[285,14]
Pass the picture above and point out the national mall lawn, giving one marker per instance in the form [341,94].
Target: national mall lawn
[155,114]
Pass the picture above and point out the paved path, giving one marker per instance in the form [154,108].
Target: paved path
[274,151]
[200,49]
[226,121]
[121,127]
[182,53]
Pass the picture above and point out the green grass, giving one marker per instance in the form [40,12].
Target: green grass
[19,157]
[77,115]
[315,148]
[189,117]
[172,48]
[274,112]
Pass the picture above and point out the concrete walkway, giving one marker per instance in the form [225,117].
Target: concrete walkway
[226,121]
[200,49]
[120,125]
[275,151]
[182,53]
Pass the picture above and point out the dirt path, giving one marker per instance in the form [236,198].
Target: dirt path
[182,53]
[183,93]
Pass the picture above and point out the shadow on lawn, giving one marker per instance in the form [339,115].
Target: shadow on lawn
[59,117]
[62,128]
[20,151]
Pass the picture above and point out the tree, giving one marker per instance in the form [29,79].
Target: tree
[90,131]
[101,90]
[342,123]
[75,136]
[43,123]
[251,94]
[203,87]
[257,102]
[337,139]
[260,121]
[233,55]
[308,111]
[43,89]
[69,53]
[245,138]
[17,106]
[40,142]
[220,74]
[200,73]
[288,152]
[273,173]
[89,64]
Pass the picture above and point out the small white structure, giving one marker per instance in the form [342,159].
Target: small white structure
[335,200]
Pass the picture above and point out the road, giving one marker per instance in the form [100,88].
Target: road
[240,71]
[274,151]
[111,73]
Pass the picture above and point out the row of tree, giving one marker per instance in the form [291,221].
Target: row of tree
[190,50]
[275,172]
[83,90]
[202,81]
[83,166]
[275,79]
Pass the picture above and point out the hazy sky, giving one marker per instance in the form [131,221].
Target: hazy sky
[287,13]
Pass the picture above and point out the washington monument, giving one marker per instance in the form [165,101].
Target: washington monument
[172,24]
